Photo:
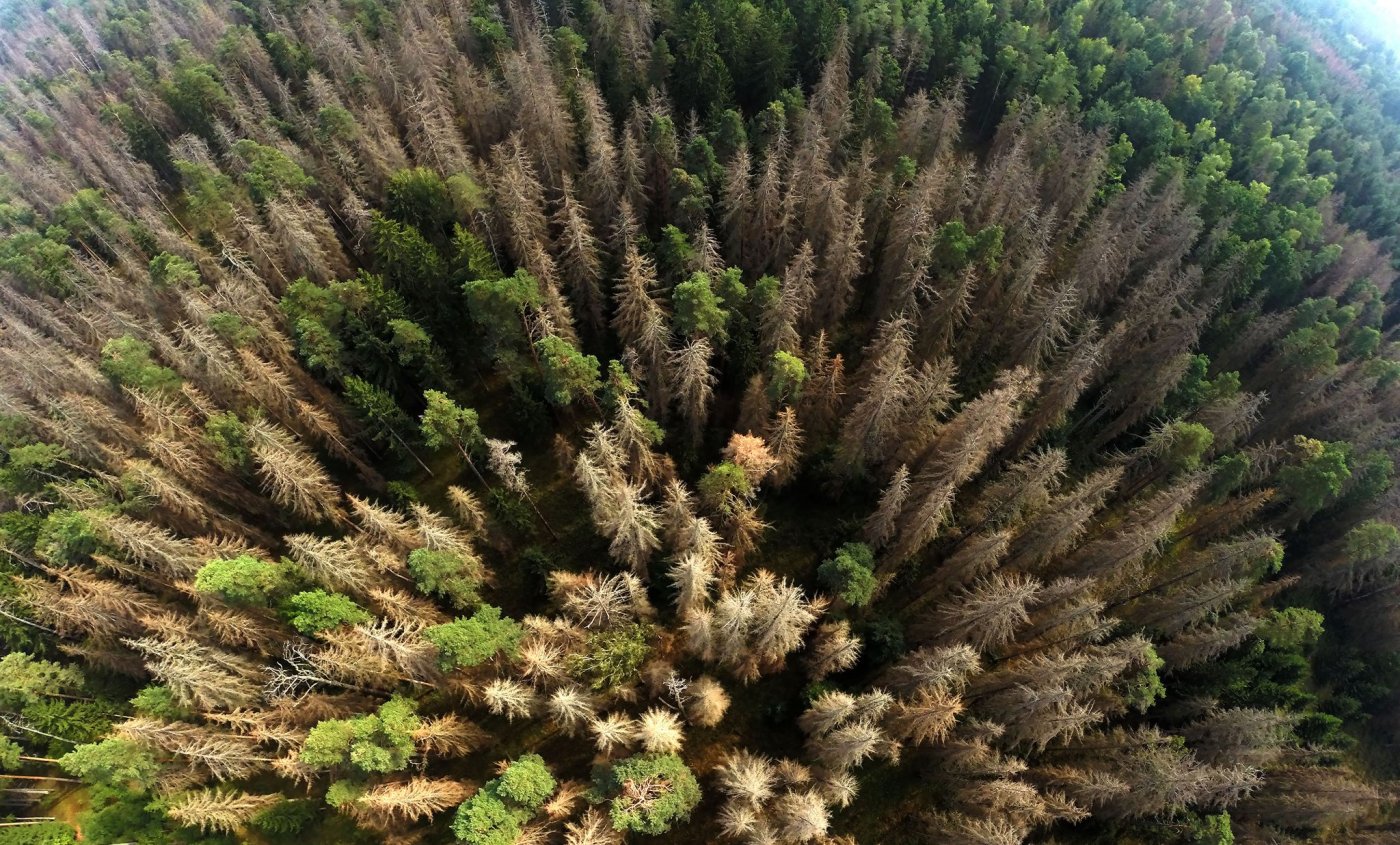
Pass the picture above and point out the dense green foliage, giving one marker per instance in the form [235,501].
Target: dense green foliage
[613,658]
[494,815]
[378,742]
[314,611]
[445,574]
[473,640]
[848,574]
[113,762]
[128,362]
[244,580]
[527,782]
[668,784]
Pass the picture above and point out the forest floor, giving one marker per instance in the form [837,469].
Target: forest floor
[68,806]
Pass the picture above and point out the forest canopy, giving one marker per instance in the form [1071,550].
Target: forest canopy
[759,421]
